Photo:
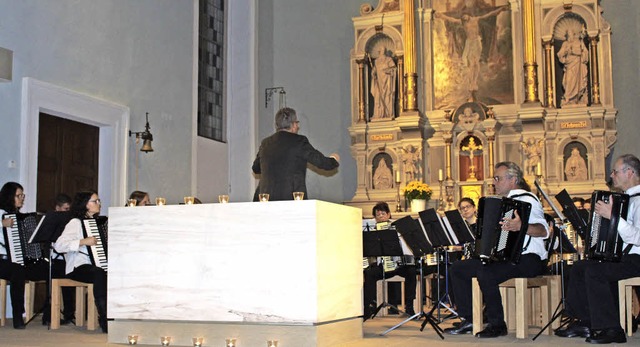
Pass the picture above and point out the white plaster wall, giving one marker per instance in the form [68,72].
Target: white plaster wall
[133,53]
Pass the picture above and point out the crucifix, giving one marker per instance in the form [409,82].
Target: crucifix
[471,147]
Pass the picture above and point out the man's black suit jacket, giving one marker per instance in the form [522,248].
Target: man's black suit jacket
[282,163]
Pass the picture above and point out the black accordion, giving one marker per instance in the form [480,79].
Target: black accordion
[16,238]
[492,243]
[97,227]
[602,242]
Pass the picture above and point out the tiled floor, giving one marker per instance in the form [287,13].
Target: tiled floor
[409,334]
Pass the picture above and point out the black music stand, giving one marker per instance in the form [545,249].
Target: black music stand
[564,246]
[416,240]
[441,236]
[377,244]
[49,228]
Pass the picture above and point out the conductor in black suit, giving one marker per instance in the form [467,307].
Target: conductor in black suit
[282,159]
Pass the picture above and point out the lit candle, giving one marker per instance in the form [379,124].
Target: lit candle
[440,175]
[539,169]
[397,176]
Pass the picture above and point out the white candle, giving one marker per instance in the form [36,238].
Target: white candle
[539,169]
[440,175]
[397,176]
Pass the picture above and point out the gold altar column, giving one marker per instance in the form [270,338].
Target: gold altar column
[410,75]
[593,65]
[402,102]
[361,117]
[548,72]
[530,66]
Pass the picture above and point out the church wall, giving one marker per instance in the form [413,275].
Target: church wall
[310,55]
[624,16]
[134,53]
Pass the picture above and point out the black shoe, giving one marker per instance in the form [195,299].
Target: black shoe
[102,321]
[368,312]
[493,331]
[610,335]
[18,323]
[574,329]
[66,321]
[392,310]
[465,327]
[410,312]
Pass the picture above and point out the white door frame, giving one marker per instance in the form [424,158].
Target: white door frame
[111,118]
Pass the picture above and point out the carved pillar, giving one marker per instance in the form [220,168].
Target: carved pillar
[530,66]
[402,103]
[408,36]
[593,65]
[548,72]
[361,116]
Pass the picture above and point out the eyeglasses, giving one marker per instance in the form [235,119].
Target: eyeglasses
[20,196]
[465,207]
[97,201]
[615,172]
[500,178]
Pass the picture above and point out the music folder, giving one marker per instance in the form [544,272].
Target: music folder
[572,213]
[413,236]
[50,227]
[459,226]
[381,243]
[435,230]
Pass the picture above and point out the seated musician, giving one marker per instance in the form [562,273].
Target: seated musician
[11,201]
[142,198]
[75,246]
[509,182]
[591,297]
[374,272]
[467,209]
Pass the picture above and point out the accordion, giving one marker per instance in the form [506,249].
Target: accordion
[97,227]
[16,238]
[492,243]
[602,241]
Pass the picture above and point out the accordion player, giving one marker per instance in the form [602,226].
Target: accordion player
[493,243]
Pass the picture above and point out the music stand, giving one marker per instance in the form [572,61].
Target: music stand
[378,244]
[49,228]
[565,244]
[420,246]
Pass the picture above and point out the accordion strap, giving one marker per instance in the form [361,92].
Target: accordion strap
[629,246]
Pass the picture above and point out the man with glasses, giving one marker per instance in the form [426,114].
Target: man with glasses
[591,291]
[282,159]
[509,182]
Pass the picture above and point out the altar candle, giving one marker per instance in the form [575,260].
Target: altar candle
[397,176]
[440,175]
[539,169]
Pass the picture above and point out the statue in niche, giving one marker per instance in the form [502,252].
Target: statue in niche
[575,168]
[574,56]
[533,150]
[411,161]
[382,177]
[383,84]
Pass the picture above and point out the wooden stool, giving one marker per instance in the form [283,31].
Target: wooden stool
[29,294]
[380,295]
[625,302]
[519,308]
[81,289]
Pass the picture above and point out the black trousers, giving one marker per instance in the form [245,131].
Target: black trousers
[92,274]
[374,273]
[489,277]
[593,289]
[17,275]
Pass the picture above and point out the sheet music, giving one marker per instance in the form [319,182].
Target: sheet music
[546,197]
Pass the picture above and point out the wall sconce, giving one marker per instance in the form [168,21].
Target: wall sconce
[268,92]
[145,136]
[6,65]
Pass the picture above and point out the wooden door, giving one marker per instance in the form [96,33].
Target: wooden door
[67,159]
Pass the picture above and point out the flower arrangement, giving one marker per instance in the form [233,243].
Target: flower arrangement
[417,190]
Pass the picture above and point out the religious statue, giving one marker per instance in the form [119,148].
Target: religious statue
[411,160]
[576,168]
[471,147]
[533,150]
[383,85]
[574,56]
[382,177]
